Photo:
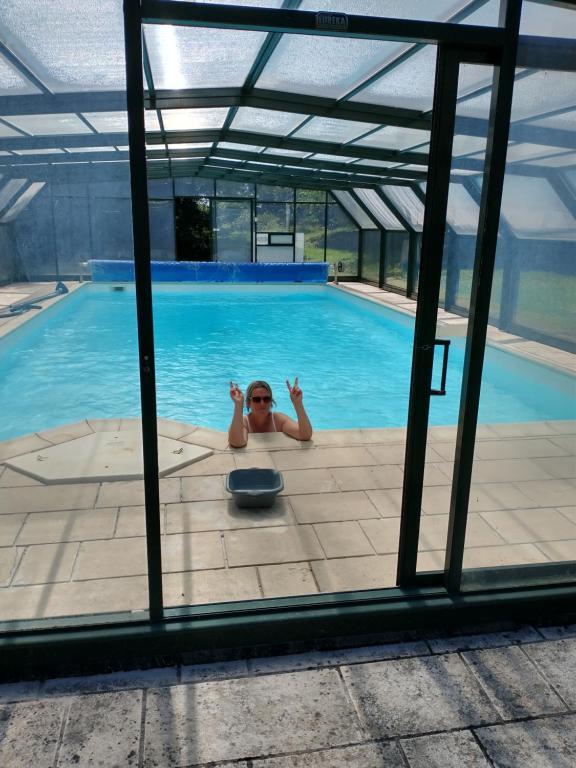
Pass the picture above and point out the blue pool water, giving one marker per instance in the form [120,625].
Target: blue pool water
[79,360]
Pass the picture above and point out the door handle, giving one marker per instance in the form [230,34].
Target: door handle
[446,344]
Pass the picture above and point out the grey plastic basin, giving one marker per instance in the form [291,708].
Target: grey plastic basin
[254,487]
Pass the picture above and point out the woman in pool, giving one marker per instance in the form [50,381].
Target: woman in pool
[259,402]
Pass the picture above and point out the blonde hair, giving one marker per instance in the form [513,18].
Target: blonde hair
[257,385]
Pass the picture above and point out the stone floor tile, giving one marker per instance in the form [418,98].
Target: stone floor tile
[20,445]
[390,435]
[8,561]
[174,429]
[29,733]
[52,498]
[223,514]
[235,719]
[211,438]
[563,427]
[250,459]
[333,437]
[131,521]
[364,478]
[111,558]
[557,662]
[268,441]
[14,692]
[434,528]
[192,552]
[343,539]
[566,442]
[73,525]
[66,432]
[360,756]
[527,448]
[522,526]
[103,729]
[281,544]
[10,478]
[332,507]
[388,503]
[220,586]
[287,579]
[202,488]
[569,513]
[444,750]
[524,429]
[512,683]
[395,454]
[318,458]
[485,497]
[548,493]
[558,550]
[438,473]
[74,598]
[217,464]
[46,563]
[483,640]
[104,425]
[410,696]
[222,670]
[558,632]
[130,493]
[110,681]
[548,742]
[560,466]
[509,554]
[383,534]
[341,575]
[346,656]
[10,525]
[298,481]
[507,470]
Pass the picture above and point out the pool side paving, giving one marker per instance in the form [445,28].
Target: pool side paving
[501,698]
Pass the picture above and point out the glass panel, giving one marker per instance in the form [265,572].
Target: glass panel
[162,234]
[394,137]
[342,241]
[328,129]
[407,9]
[310,226]
[275,217]
[310,196]
[193,119]
[534,209]
[265,121]
[396,253]
[48,125]
[193,225]
[547,19]
[371,256]
[234,189]
[193,57]
[233,228]
[111,122]
[354,209]
[194,187]
[286,152]
[275,194]
[411,207]
[378,208]
[12,83]
[67,51]
[463,210]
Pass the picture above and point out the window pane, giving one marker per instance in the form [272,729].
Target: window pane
[310,224]
[342,240]
[371,256]
[397,247]
[275,217]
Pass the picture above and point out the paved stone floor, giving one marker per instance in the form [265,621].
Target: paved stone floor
[505,699]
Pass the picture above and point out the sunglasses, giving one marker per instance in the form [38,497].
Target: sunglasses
[258,399]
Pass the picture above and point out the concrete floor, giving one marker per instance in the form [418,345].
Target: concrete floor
[506,699]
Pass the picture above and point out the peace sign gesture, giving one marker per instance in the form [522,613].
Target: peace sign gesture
[295,392]
[236,394]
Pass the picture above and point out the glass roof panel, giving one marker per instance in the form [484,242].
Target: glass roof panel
[22,201]
[48,125]
[151,121]
[377,163]
[287,152]
[538,93]
[564,120]
[395,137]
[354,209]
[541,19]
[411,83]
[10,189]
[406,9]
[201,145]
[332,158]
[329,129]
[193,119]
[194,57]
[7,131]
[518,152]
[52,151]
[378,209]
[462,212]
[69,47]
[77,150]
[532,208]
[239,147]
[11,82]
[411,207]
[464,145]
[266,121]
[108,122]
[557,161]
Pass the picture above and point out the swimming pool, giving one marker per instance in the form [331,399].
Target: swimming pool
[78,360]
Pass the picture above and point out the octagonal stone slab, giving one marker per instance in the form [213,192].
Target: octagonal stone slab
[104,456]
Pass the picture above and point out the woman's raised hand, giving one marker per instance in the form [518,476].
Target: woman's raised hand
[295,392]
[236,393]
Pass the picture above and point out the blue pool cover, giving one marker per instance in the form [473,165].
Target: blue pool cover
[112,271]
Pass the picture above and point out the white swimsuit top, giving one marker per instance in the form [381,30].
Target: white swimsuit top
[250,429]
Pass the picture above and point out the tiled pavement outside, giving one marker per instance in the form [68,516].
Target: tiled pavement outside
[505,699]
[69,549]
